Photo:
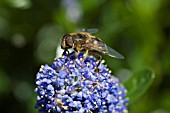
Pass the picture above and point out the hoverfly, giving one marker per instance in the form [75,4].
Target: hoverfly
[84,41]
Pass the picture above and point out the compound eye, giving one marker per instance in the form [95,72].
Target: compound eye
[66,36]
[64,42]
[67,40]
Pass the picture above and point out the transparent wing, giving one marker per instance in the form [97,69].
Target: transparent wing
[90,30]
[111,52]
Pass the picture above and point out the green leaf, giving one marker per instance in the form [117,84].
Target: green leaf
[138,84]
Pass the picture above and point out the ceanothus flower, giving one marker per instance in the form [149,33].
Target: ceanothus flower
[75,84]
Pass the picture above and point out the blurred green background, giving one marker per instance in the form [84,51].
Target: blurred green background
[30,31]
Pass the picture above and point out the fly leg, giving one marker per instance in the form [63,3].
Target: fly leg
[82,48]
[98,60]
[85,55]
[65,52]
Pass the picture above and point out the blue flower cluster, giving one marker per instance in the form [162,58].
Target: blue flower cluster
[75,84]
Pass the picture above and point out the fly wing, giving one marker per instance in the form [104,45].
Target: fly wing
[97,45]
[111,52]
[91,30]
